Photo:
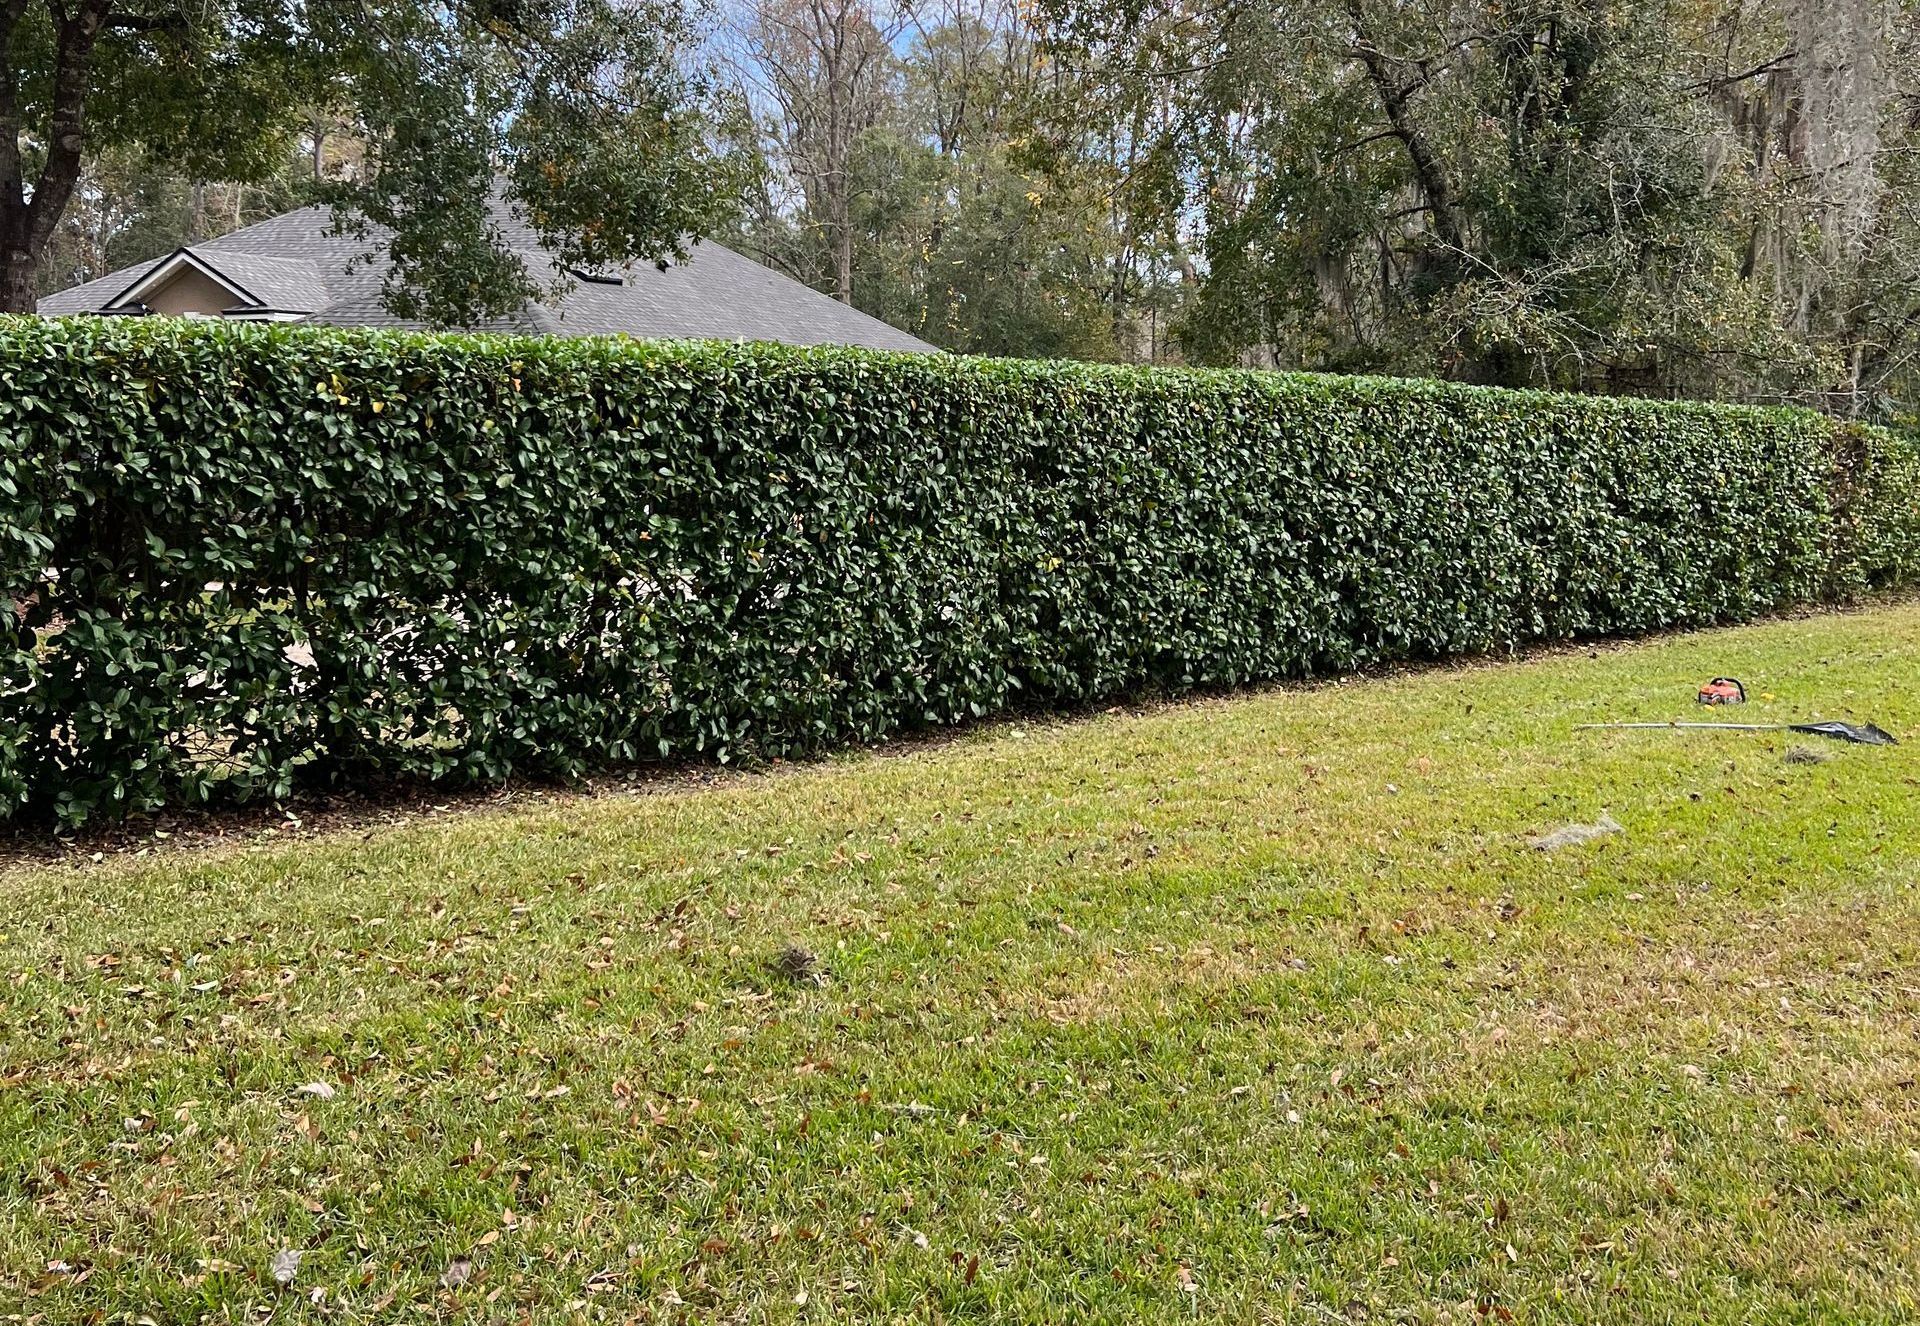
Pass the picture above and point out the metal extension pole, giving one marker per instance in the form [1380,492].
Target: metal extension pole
[1723,727]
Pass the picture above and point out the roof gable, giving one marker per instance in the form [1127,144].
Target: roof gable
[165,272]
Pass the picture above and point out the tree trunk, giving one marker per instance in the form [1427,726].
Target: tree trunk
[16,281]
[842,251]
[1396,101]
[196,212]
[842,90]
[27,223]
[820,58]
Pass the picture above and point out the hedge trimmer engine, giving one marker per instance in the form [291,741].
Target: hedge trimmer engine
[1722,690]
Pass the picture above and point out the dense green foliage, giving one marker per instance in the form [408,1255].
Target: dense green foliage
[261,556]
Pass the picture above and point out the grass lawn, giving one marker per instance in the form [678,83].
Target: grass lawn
[1257,1009]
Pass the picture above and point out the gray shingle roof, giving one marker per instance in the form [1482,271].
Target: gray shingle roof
[295,263]
[293,284]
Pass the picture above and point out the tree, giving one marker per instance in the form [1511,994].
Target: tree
[577,109]
[828,66]
[1696,197]
[913,161]
[129,207]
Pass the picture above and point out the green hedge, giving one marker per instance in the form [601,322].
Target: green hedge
[262,557]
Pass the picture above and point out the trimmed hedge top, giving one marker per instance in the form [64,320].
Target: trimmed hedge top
[258,556]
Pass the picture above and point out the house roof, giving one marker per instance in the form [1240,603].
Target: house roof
[256,281]
[294,265]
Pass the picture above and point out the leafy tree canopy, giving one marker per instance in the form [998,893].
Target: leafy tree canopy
[582,111]
[1691,197]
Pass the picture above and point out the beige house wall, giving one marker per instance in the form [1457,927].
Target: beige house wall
[191,291]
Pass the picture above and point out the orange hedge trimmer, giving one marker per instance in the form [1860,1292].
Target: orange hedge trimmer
[1722,690]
